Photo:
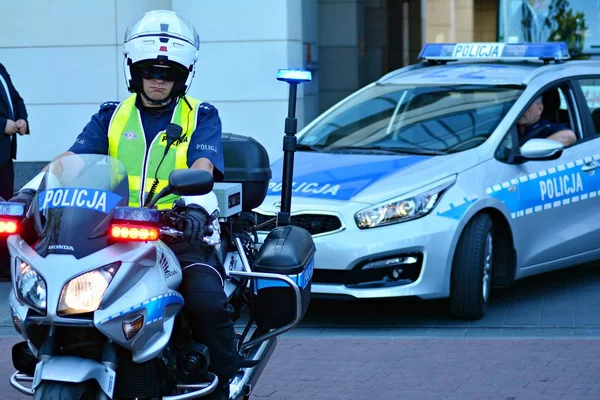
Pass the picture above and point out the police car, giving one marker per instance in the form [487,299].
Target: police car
[418,185]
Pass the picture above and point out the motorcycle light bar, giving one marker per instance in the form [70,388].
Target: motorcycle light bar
[127,232]
[11,209]
[495,51]
[294,75]
[136,214]
[8,226]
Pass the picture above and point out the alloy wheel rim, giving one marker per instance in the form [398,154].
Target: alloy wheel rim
[487,267]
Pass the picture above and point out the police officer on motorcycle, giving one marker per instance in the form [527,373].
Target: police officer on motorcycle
[160,52]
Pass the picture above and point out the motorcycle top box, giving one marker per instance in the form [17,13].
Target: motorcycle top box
[247,162]
[287,250]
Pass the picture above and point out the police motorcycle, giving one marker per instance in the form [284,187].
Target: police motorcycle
[94,291]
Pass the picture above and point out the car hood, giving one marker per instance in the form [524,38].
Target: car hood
[364,178]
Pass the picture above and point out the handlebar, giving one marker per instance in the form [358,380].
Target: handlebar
[178,235]
[170,232]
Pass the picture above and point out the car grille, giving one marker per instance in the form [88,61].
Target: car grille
[375,277]
[314,223]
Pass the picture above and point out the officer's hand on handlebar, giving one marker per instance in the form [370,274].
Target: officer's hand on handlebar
[194,222]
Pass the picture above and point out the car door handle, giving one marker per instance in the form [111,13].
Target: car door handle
[590,166]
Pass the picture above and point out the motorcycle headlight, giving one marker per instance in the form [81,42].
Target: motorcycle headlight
[84,293]
[31,287]
[402,209]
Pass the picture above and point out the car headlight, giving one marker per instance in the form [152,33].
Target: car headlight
[31,287]
[402,209]
[84,293]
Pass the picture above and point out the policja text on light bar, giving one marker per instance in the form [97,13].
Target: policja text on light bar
[495,51]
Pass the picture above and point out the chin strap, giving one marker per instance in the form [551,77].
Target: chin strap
[163,102]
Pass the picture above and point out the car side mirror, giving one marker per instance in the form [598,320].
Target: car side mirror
[190,182]
[541,150]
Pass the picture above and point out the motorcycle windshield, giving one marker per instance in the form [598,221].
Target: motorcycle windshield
[74,204]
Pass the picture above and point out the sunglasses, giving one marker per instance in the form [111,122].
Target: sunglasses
[165,74]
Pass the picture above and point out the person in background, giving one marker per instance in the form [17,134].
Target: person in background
[13,121]
[531,125]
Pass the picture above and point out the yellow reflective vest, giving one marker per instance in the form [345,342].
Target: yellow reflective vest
[127,143]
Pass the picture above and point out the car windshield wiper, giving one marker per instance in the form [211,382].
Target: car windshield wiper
[392,150]
[305,147]
[411,150]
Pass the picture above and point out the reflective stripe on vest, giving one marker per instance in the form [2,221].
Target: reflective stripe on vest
[127,143]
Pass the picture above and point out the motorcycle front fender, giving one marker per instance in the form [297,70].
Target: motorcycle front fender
[75,370]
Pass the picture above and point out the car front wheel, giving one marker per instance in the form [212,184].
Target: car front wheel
[471,278]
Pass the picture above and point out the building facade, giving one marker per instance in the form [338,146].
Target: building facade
[65,56]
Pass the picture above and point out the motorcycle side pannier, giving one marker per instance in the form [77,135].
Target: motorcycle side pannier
[247,162]
[287,250]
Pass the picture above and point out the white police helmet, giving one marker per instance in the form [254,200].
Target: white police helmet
[161,38]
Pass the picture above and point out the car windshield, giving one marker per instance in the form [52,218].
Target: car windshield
[419,119]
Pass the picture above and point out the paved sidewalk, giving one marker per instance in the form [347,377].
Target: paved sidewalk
[423,369]
[433,369]
[540,340]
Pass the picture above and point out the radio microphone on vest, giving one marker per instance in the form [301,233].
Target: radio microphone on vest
[173,133]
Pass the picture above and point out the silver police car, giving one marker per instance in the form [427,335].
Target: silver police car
[472,169]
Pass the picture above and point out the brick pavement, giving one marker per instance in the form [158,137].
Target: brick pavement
[424,369]
[540,340]
[433,369]
[6,369]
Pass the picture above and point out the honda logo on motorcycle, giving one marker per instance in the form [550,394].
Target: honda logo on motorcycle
[62,247]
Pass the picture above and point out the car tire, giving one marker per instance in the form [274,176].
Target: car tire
[471,277]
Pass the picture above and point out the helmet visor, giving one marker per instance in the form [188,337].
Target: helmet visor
[156,72]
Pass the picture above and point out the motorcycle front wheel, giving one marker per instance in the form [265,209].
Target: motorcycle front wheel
[51,390]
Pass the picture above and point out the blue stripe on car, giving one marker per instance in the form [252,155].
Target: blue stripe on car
[546,189]
[458,208]
[338,176]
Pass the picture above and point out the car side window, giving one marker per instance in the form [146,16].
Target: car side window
[557,109]
[591,92]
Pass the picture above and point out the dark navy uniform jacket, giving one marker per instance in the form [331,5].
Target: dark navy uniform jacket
[540,130]
[205,141]
[8,144]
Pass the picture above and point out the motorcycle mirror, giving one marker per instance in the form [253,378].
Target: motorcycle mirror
[186,182]
[293,77]
[190,182]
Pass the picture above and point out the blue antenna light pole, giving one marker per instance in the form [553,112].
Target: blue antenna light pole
[294,77]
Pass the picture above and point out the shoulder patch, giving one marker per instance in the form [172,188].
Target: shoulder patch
[206,108]
[109,105]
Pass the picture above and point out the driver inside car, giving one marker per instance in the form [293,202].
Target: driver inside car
[161,49]
[531,125]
